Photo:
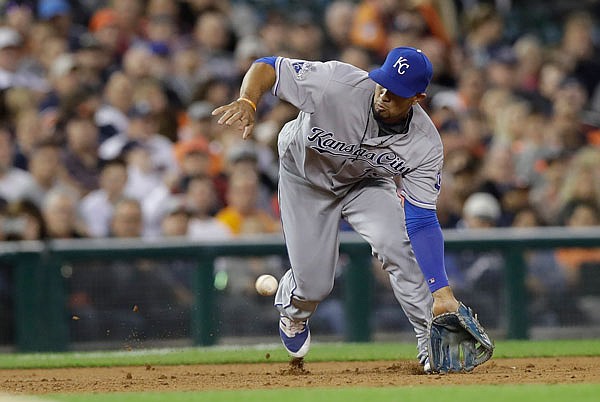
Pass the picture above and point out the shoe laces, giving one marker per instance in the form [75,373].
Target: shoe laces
[293,327]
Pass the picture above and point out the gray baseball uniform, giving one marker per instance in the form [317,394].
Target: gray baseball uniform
[335,164]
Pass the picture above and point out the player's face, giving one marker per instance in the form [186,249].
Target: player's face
[390,108]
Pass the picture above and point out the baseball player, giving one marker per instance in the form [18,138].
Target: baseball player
[355,133]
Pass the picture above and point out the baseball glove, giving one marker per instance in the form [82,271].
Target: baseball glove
[457,342]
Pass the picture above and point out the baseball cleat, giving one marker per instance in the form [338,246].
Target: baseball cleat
[426,365]
[295,336]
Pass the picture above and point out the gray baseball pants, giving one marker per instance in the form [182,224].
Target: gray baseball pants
[311,218]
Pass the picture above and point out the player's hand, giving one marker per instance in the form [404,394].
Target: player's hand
[238,113]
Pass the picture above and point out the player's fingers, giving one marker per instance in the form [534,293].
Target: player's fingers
[248,131]
[219,110]
[225,116]
[234,118]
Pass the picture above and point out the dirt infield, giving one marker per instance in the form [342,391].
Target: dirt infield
[278,375]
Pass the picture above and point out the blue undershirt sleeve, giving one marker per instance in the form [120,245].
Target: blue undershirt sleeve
[427,243]
[268,60]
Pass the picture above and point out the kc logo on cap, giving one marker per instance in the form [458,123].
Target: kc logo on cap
[405,72]
[401,64]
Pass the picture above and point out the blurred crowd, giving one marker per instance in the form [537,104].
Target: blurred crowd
[106,127]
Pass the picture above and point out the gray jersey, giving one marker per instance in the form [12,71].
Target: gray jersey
[334,142]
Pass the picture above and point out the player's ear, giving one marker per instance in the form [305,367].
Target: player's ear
[419,97]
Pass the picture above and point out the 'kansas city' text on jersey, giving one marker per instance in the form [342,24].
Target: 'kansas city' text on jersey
[334,142]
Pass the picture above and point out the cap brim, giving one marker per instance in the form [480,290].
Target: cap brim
[390,83]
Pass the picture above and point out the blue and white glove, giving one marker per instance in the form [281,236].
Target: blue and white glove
[457,342]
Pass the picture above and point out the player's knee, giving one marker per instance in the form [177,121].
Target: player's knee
[390,252]
[316,291]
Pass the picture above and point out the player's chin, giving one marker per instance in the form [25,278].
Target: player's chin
[380,114]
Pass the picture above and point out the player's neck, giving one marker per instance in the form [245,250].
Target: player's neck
[395,126]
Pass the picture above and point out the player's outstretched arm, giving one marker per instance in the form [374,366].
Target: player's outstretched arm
[241,112]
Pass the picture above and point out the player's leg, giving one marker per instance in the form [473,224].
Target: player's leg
[310,220]
[375,212]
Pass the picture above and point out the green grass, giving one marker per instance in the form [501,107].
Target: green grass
[319,352]
[488,393]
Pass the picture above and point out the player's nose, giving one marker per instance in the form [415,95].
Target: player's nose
[383,95]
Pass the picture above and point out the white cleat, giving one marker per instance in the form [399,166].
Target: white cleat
[295,336]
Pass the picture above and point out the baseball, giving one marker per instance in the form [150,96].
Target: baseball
[266,285]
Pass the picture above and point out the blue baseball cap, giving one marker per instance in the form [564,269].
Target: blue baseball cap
[48,9]
[405,72]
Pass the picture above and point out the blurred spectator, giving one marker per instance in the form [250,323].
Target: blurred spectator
[96,208]
[201,202]
[104,25]
[578,52]
[213,90]
[64,83]
[142,129]
[497,173]
[582,181]
[129,20]
[29,132]
[514,200]
[164,109]
[15,184]
[531,148]
[198,149]
[305,36]
[175,223]
[19,15]
[356,56]
[247,50]
[248,157]
[83,103]
[567,131]
[80,159]
[373,21]
[546,194]
[16,102]
[142,177]
[46,170]
[44,45]
[479,276]
[58,14]
[529,51]
[242,214]
[60,215]
[111,117]
[338,17]
[483,37]
[137,63]
[408,27]
[11,48]
[24,221]
[502,68]
[467,96]
[213,36]
[186,64]
[273,33]
[93,61]
[126,220]
[551,299]
[161,29]
[194,162]
[581,264]
[195,134]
